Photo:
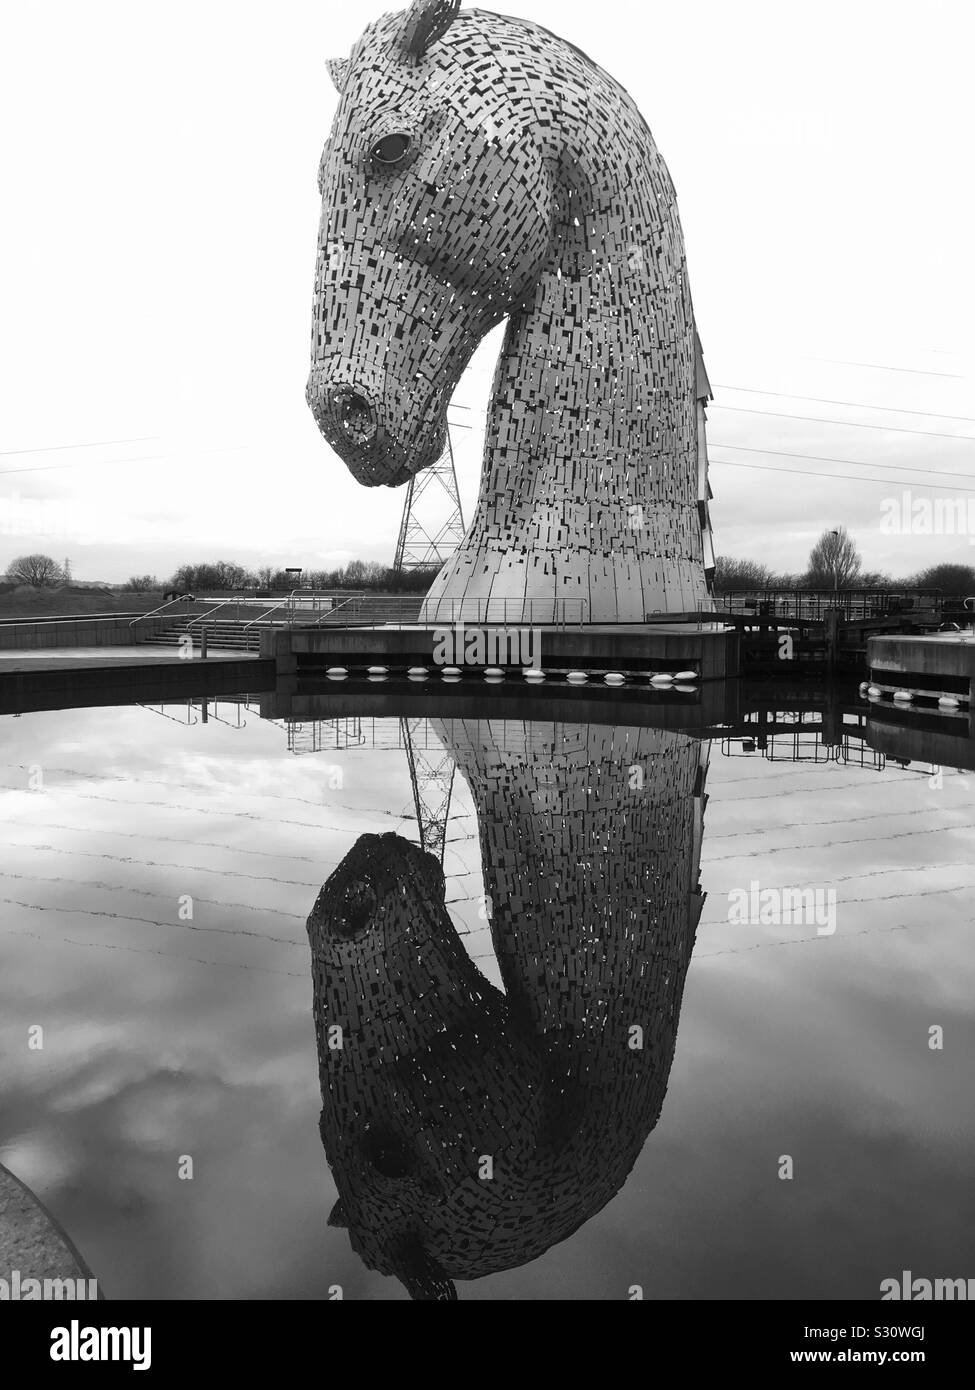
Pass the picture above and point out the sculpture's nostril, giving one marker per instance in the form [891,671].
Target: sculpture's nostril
[387,1153]
[354,415]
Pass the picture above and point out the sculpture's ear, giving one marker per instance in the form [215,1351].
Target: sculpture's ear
[338,70]
[337,1216]
[421,1275]
[425,22]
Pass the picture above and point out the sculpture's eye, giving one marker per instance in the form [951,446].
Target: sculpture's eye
[392,148]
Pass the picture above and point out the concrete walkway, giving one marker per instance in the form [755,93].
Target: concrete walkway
[144,654]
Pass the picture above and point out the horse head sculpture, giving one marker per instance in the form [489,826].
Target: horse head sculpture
[481,169]
[467,1129]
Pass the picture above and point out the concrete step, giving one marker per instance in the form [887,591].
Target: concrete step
[226,635]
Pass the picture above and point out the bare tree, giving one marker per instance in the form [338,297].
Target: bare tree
[731,573]
[834,561]
[141,584]
[39,570]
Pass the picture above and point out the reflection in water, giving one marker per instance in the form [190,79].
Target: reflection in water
[468,1130]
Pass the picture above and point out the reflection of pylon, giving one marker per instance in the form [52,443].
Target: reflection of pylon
[424,542]
[432,778]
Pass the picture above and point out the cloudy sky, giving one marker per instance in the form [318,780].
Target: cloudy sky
[158,165]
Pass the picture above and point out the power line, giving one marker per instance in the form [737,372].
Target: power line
[851,424]
[139,458]
[95,444]
[854,405]
[880,367]
[814,473]
[48,467]
[818,420]
[849,463]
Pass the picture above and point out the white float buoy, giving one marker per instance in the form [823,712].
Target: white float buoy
[686,676]
[949,702]
[452,672]
[336,673]
[417,672]
[493,673]
[533,674]
[614,678]
[577,677]
[377,671]
[904,696]
[662,678]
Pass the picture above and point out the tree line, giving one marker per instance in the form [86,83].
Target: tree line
[834,562]
[41,572]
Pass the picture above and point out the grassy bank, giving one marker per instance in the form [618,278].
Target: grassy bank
[26,602]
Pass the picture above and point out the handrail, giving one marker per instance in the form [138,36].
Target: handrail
[209,611]
[162,607]
[260,618]
[353,598]
[487,610]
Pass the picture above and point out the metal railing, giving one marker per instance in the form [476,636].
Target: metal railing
[283,603]
[812,605]
[313,608]
[156,611]
[537,612]
[414,610]
[224,603]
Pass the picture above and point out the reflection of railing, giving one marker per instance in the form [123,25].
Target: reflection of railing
[186,707]
[828,734]
[344,732]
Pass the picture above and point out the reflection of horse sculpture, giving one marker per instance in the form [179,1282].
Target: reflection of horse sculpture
[469,1130]
[479,168]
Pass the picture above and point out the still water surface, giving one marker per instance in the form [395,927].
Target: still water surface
[158,875]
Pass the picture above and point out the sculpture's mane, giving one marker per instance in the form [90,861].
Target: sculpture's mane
[574,48]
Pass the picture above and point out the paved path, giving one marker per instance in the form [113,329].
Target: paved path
[59,658]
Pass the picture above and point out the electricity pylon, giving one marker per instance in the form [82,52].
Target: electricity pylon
[423,542]
[432,779]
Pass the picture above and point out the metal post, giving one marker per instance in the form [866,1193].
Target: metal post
[832,638]
[203,644]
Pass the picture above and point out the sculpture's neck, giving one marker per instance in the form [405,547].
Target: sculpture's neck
[592,487]
[590,843]
[600,364]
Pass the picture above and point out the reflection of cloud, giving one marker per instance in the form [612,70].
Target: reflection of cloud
[818,1049]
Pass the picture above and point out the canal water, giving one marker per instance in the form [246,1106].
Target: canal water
[649,1015]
